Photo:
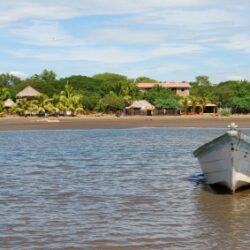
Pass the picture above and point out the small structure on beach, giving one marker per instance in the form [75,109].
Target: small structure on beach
[210,108]
[9,103]
[142,107]
[28,93]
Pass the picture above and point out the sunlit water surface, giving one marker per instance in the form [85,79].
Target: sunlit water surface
[114,189]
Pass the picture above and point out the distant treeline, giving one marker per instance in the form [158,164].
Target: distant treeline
[109,92]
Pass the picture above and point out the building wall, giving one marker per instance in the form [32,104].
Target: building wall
[182,92]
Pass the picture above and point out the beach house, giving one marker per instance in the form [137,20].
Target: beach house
[179,88]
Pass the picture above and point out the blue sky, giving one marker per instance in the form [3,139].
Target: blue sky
[163,39]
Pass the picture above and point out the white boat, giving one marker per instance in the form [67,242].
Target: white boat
[226,159]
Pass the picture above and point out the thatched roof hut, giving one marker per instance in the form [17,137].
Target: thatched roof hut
[28,92]
[8,103]
[142,105]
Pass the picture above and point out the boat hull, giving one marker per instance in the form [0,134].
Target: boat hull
[226,161]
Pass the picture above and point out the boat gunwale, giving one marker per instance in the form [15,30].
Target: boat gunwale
[223,138]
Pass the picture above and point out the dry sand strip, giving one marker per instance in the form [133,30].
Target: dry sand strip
[109,122]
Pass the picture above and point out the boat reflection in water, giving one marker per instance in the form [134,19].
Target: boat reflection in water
[227,219]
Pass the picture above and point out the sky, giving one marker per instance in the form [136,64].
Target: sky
[167,40]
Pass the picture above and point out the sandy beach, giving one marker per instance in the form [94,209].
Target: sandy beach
[111,121]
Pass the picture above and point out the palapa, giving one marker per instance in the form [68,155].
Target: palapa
[8,103]
[142,105]
[28,92]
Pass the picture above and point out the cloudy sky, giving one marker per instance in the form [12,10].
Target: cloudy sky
[163,39]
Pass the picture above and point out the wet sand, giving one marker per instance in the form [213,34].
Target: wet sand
[109,121]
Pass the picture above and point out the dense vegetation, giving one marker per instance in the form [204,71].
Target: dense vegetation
[110,92]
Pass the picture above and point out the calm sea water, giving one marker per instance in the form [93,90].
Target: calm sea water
[114,189]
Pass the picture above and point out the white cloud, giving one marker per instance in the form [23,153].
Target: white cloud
[15,10]
[44,34]
[100,55]
[109,54]
[148,21]
[158,70]
[171,49]
[236,78]
[132,32]
[238,42]
[167,68]
[21,75]
[126,36]
[184,17]
[204,26]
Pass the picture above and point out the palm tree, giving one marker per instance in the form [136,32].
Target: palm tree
[40,103]
[23,107]
[127,90]
[4,93]
[203,101]
[12,109]
[193,101]
[50,108]
[69,101]
[185,103]
[1,108]
[33,108]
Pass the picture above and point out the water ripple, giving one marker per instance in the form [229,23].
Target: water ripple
[114,189]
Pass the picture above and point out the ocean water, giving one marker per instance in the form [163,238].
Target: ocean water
[114,190]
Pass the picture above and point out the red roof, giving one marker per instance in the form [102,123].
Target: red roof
[169,85]
[145,85]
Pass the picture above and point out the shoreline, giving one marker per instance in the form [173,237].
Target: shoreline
[9,123]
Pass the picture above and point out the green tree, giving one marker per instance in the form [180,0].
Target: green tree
[202,80]
[90,100]
[7,79]
[227,92]
[45,105]
[110,77]
[129,91]
[185,104]
[45,83]
[5,93]
[157,92]
[45,76]
[202,88]
[144,79]
[111,103]
[240,104]
[69,100]
[23,107]
[193,102]
[84,84]
[1,108]
[202,102]
[169,103]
